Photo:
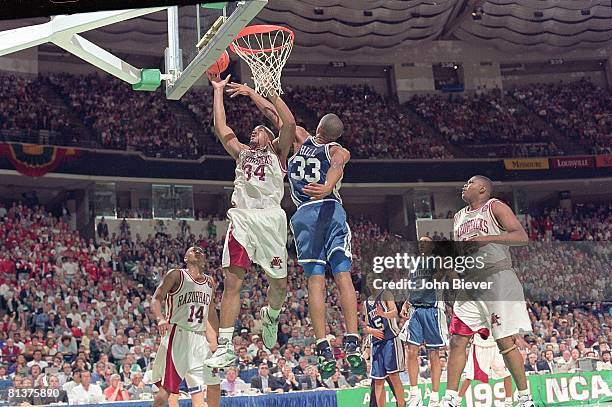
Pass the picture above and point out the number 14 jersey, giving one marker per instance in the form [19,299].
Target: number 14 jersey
[310,165]
[187,306]
[259,179]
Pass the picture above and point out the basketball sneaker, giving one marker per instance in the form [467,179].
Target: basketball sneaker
[353,355]
[450,401]
[433,403]
[327,361]
[270,328]
[525,401]
[223,357]
[415,401]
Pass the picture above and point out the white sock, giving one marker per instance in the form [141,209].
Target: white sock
[434,396]
[460,400]
[452,393]
[414,391]
[226,333]
[523,392]
[509,400]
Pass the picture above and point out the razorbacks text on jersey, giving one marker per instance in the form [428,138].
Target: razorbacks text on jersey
[310,165]
[482,222]
[387,325]
[259,179]
[187,306]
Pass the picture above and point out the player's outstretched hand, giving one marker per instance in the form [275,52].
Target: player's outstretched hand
[234,89]
[216,82]
[316,191]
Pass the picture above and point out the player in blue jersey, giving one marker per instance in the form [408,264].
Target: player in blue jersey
[426,325]
[322,236]
[387,353]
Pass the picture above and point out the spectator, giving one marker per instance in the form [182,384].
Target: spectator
[336,381]
[73,381]
[54,394]
[263,381]
[288,380]
[115,390]
[312,380]
[10,352]
[231,380]
[120,350]
[86,393]
[605,362]
[138,390]
[102,229]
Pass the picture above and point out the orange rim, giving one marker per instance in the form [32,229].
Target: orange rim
[261,29]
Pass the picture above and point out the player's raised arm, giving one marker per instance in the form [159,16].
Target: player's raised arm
[288,127]
[267,108]
[234,89]
[515,233]
[225,134]
[339,157]
[169,283]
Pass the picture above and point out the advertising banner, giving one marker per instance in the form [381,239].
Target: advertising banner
[566,389]
[518,164]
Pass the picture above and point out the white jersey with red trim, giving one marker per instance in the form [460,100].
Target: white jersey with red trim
[259,179]
[187,306]
[482,222]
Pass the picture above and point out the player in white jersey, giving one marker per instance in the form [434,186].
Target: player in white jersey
[188,328]
[489,226]
[257,229]
[484,361]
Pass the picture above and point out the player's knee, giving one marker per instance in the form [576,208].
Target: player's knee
[413,352]
[433,354]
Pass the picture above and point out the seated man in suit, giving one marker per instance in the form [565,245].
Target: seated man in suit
[548,364]
[312,379]
[264,381]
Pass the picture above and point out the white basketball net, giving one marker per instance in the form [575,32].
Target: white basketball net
[266,54]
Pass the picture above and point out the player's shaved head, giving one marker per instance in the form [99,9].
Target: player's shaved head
[486,182]
[331,127]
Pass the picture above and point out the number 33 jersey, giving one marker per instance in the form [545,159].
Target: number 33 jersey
[187,306]
[310,165]
[259,179]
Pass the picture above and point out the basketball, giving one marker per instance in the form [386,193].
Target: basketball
[221,64]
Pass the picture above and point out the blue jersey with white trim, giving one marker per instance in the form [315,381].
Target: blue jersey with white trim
[310,165]
[387,325]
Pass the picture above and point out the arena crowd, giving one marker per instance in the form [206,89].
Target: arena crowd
[75,311]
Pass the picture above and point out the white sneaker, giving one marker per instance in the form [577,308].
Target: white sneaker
[433,403]
[525,401]
[508,403]
[450,401]
[223,357]
[415,401]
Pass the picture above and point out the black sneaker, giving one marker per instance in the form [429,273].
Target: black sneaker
[327,361]
[353,355]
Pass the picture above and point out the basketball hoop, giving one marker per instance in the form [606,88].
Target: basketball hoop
[265,48]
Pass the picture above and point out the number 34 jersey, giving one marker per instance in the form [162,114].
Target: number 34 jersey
[310,165]
[259,179]
[187,306]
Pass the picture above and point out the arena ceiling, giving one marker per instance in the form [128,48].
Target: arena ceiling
[382,26]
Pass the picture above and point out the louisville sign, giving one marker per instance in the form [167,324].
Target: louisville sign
[572,162]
